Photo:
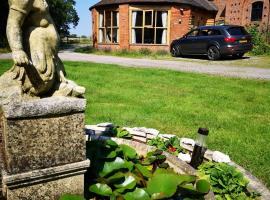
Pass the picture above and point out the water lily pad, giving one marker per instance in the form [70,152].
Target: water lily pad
[116,177]
[138,194]
[203,186]
[71,197]
[101,189]
[144,171]
[128,184]
[111,144]
[128,152]
[162,186]
[110,167]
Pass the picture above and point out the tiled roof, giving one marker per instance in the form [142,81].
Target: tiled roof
[203,4]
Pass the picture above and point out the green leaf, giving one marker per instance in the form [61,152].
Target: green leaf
[203,186]
[137,194]
[116,177]
[162,186]
[129,165]
[111,143]
[110,167]
[144,171]
[128,152]
[71,197]
[128,184]
[101,189]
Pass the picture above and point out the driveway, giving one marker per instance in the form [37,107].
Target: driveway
[183,66]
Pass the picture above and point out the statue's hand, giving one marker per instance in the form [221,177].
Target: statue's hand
[20,58]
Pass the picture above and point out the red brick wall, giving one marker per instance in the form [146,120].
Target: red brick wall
[180,17]
[179,25]
[94,27]
[239,12]
[201,17]
[124,26]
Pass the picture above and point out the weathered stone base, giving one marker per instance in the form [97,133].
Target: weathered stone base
[42,148]
[46,184]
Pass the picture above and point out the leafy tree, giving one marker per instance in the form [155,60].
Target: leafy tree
[63,12]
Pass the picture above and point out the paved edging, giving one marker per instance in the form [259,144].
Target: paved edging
[220,70]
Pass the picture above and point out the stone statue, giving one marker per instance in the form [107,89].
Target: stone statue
[33,39]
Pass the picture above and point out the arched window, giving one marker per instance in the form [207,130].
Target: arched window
[257,11]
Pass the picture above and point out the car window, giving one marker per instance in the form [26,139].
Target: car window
[209,32]
[193,33]
[214,32]
[203,33]
[237,31]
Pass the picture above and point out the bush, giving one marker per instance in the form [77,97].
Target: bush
[162,53]
[145,51]
[261,47]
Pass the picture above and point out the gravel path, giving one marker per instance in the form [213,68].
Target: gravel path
[184,66]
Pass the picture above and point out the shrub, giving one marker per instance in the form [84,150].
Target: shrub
[145,51]
[162,53]
[261,47]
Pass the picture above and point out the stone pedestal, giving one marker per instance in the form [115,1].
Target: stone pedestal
[42,148]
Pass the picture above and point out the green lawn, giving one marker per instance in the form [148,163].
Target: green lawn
[235,110]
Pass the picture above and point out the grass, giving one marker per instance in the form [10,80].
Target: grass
[142,53]
[248,61]
[235,110]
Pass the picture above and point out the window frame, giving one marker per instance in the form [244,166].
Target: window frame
[257,18]
[105,28]
[154,10]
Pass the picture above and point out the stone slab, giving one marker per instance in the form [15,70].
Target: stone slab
[38,143]
[51,106]
[45,175]
[51,190]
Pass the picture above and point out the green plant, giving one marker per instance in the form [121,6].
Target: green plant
[145,51]
[119,132]
[227,182]
[172,145]
[261,47]
[118,172]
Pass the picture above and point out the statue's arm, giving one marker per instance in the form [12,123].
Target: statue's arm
[17,13]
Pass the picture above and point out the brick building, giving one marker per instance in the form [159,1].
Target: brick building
[153,24]
[244,12]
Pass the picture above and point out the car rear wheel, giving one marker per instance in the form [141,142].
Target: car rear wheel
[175,51]
[213,53]
[238,55]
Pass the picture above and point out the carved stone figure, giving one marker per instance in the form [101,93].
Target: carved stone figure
[33,39]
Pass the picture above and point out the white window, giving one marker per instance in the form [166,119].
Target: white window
[149,27]
[108,27]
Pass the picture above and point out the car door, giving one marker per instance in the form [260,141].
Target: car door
[188,42]
[202,41]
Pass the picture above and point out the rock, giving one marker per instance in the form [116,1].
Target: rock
[147,130]
[43,107]
[106,124]
[184,157]
[166,136]
[187,141]
[150,137]
[139,139]
[135,132]
[221,157]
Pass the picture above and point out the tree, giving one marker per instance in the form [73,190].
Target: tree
[63,13]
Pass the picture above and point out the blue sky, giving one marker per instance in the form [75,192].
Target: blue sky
[84,26]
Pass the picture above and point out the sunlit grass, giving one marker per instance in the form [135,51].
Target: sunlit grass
[235,110]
